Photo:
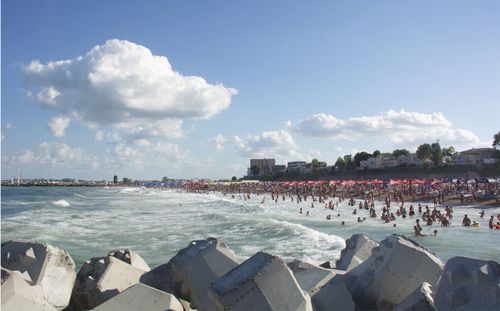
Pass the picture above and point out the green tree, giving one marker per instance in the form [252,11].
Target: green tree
[448,152]
[496,140]
[361,156]
[424,152]
[400,152]
[436,153]
[340,162]
[376,153]
[348,161]
[314,162]
[496,145]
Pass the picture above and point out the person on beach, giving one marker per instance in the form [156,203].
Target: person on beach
[490,223]
[466,221]
[417,231]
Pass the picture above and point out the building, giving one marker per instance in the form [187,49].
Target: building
[390,161]
[475,156]
[261,167]
[296,167]
[371,163]
[409,160]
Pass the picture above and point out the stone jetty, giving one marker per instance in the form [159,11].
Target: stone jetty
[393,274]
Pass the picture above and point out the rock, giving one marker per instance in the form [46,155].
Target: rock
[469,284]
[396,268]
[141,297]
[131,257]
[17,294]
[102,278]
[189,274]
[42,264]
[310,277]
[333,295]
[263,282]
[357,249]
[420,299]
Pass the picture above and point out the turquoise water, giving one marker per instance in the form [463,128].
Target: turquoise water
[89,222]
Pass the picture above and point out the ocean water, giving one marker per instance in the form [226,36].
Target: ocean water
[89,222]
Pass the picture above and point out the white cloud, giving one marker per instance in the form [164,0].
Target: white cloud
[8,125]
[218,141]
[99,135]
[268,144]
[58,126]
[396,126]
[56,155]
[123,84]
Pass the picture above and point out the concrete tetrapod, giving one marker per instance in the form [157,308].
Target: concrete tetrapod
[333,296]
[17,294]
[263,282]
[100,279]
[310,277]
[131,257]
[189,273]
[141,297]
[42,264]
[395,269]
[469,284]
[357,249]
[421,299]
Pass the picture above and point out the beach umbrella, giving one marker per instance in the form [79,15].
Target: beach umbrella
[301,183]
[435,181]
[310,182]
[417,181]
[348,183]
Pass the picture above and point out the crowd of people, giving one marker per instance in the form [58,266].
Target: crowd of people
[436,197]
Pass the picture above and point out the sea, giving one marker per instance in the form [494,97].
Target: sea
[90,222]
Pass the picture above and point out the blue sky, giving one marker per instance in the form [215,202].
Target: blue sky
[195,89]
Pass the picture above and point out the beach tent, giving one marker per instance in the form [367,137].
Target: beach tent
[435,181]
[375,182]
[301,183]
[334,182]
[310,182]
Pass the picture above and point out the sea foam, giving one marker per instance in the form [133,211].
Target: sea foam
[61,203]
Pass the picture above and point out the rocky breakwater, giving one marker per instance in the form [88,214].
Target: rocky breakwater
[393,274]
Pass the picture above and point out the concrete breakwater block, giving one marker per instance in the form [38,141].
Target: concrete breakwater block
[395,269]
[141,297]
[17,294]
[189,273]
[131,257]
[100,279]
[419,299]
[310,277]
[263,282]
[333,296]
[469,284]
[51,268]
[358,248]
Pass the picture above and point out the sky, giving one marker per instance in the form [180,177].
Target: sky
[195,89]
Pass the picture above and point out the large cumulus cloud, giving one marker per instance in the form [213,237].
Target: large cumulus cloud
[396,126]
[121,82]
